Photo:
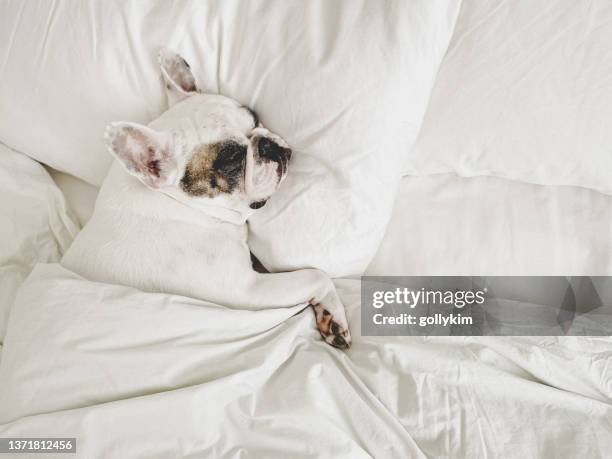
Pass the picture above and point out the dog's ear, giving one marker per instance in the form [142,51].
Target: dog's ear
[145,153]
[178,78]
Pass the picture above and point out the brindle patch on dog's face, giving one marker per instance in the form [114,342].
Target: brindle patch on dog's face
[214,169]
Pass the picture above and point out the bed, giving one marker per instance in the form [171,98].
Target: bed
[267,386]
[143,375]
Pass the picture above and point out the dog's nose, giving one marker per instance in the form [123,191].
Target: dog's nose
[269,150]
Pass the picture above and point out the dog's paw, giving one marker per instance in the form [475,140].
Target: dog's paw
[333,329]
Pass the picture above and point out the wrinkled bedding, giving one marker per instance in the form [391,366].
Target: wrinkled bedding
[154,376]
[36,224]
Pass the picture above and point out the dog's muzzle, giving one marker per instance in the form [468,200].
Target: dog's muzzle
[267,162]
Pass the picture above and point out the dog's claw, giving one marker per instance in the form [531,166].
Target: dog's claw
[340,343]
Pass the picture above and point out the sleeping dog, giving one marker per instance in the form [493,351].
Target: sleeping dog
[176,203]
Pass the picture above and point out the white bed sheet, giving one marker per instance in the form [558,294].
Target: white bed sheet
[449,225]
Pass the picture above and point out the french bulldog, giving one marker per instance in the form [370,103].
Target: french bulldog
[175,205]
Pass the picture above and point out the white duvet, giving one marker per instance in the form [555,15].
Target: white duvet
[143,375]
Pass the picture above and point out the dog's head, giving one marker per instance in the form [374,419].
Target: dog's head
[204,148]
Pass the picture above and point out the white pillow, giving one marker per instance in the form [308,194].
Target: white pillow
[345,82]
[524,92]
[35,224]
